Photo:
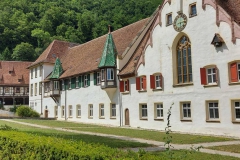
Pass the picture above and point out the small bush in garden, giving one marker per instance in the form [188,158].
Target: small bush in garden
[14,109]
[2,107]
[24,111]
[7,128]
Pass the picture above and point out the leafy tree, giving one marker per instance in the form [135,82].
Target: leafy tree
[24,52]
[6,55]
[37,23]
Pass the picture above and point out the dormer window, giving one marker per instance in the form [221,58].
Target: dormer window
[11,70]
[20,78]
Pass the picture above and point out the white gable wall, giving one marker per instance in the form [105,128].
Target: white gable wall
[159,58]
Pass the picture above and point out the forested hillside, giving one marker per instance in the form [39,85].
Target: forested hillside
[28,26]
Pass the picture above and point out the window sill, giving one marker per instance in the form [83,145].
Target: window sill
[182,84]
[234,83]
[168,24]
[113,118]
[145,119]
[70,117]
[236,121]
[101,117]
[158,89]
[158,119]
[192,15]
[127,92]
[210,85]
[213,120]
[186,120]
[90,117]
[142,91]
[78,116]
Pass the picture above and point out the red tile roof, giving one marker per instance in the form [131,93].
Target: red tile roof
[85,57]
[232,7]
[55,49]
[19,71]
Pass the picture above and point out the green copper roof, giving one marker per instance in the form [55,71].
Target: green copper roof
[109,53]
[57,70]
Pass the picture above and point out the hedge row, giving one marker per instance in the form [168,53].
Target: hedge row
[20,145]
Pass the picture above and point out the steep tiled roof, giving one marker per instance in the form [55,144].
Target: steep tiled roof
[55,49]
[19,71]
[86,57]
[232,7]
[129,68]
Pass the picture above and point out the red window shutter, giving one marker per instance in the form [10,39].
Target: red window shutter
[152,82]
[121,86]
[144,82]
[127,85]
[161,81]
[233,70]
[203,76]
[137,83]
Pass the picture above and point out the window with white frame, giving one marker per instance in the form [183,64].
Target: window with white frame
[90,111]
[158,81]
[40,88]
[70,110]
[143,111]
[212,110]
[185,110]
[98,77]
[35,89]
[158,111]
[110,74]
[31,89]
[113,110]
[36,72]
[85,80]
[78,110]
[56,111]
[101,110]
[31,73]
[235,110]
[40,72]
[56,85]
[141,83]
[63,111]
[211,75]
[102,74]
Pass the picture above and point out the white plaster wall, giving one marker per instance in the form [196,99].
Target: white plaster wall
[200,30]
[37,100]
[89,95]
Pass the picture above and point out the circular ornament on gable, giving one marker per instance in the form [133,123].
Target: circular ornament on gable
[180,22]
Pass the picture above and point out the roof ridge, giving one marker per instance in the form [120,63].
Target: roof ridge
[111,33]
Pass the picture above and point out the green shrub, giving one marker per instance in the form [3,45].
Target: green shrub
[2,107]
[24,111]
[14,109]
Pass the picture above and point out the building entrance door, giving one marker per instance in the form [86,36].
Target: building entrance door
[127,117]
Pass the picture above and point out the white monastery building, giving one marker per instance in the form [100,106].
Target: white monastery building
[186,55]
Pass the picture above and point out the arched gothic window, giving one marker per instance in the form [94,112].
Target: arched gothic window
[184,62]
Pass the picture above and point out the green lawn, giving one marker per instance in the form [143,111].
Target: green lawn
[228,148]
[115,143]
[186,155]
[136,133]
